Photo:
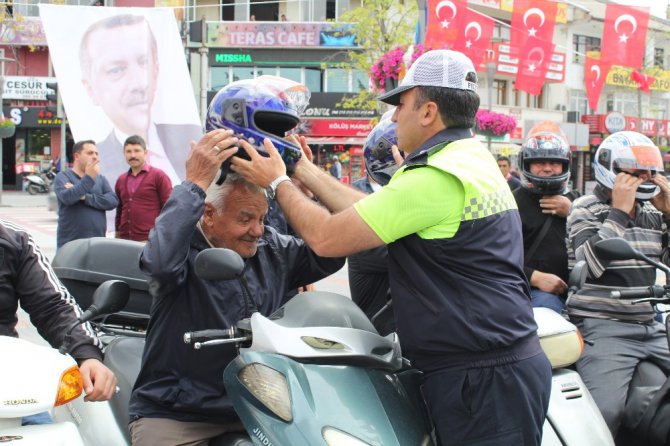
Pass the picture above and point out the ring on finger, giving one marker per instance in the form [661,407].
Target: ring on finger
[217,148]
[553,212]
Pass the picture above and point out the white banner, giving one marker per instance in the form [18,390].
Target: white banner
[122,72]
[27,88]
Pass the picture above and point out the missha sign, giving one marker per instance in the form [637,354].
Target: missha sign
[27,88]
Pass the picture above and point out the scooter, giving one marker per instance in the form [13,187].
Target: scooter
[39,183]
[36,379]
[335,367]
[646,414]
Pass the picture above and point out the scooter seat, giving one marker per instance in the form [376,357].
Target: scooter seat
[123,356]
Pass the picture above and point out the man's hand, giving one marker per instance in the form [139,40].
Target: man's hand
[555,205]
[92,168]
[662,200]
[397,156]
[206,156]
[99,381]
[623,192]
[549,283]
[68,185]
[260,170]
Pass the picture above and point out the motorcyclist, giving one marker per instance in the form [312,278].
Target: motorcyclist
[544,200]
[26,278]
[632,201]
[368,270]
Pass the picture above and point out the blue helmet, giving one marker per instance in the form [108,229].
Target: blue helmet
[379,162]
[255,109]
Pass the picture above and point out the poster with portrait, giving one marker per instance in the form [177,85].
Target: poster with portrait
[122,72]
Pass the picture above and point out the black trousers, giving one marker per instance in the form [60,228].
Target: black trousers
[500,405]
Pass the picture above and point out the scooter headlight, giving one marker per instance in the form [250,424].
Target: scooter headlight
[335,437]
[269,387]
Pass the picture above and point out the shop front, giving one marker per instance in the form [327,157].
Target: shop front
[32,146]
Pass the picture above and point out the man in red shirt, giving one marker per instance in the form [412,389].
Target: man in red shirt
[142,192]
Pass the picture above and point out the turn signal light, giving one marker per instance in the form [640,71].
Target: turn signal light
[70,387]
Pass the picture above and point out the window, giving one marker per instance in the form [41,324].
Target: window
[500,91]
[523,99]
[578,102]
[313,79]
[220,77]
[337,80]
[292,73]
[360,81]
[39,145]
[659,57]
[582,45]
[240,73]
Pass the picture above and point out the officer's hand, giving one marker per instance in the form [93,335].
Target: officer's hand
[556,205]
[99,381]
[547,282]
[259,169]
[206,156]
[623,192]
[397,156]
[662,200]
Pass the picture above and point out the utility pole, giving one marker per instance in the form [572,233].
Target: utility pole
[490,73]
[3,59]
[204,57]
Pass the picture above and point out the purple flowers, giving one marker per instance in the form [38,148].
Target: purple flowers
[391,65]
[495,123]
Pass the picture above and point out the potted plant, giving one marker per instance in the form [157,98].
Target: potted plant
[7,127]
[390,67]
[490,123]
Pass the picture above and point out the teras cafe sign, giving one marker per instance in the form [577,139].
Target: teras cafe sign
[280,34]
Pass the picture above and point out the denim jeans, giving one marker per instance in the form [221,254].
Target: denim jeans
[541,298]
[38,418]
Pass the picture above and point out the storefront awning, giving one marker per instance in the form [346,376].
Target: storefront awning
[351,140]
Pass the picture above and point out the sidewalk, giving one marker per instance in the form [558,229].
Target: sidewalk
[17,198]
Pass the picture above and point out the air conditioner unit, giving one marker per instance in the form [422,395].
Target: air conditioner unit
[560,107]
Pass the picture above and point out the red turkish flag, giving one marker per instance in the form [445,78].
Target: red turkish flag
[595,74]
[474,37]
[624,35]
[445,19]
[533,65]
[643,80]
[532,19]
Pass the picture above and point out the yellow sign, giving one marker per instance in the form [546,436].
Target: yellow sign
[620,77]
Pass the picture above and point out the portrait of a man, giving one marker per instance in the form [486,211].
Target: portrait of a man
[122,72]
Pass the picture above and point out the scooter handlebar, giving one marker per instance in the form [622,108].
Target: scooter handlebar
[193,337]
[631,294]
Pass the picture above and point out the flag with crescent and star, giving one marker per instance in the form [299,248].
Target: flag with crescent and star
[533,23]
[595,74]
[474,37]
[445,20]
[624,35]
[644,81]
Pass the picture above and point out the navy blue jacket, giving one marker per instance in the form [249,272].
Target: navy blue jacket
[176,381]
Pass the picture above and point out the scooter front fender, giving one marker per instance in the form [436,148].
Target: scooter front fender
[367,404]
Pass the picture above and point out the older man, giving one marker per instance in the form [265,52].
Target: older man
[179,396]
[455,256]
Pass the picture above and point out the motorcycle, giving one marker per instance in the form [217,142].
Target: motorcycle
[41,182]
[38,378]
[317,361]
[645,419]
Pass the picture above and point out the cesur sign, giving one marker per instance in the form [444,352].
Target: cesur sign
[27,88]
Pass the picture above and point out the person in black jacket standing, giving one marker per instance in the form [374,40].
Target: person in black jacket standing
[544,201]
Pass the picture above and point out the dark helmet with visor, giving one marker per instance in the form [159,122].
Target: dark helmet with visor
[545,142]
[625,152]
[379,162]
[255,109]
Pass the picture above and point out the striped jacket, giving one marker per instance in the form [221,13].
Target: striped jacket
[26,277]
[592,219]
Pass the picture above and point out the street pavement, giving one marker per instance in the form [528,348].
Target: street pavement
[30,212]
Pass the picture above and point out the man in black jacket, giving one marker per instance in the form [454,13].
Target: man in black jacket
[179,397]
[26,278]
[544,201]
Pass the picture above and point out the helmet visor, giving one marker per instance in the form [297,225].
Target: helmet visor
[643,158]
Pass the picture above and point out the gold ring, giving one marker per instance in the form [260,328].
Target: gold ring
[553,212]
[217,148]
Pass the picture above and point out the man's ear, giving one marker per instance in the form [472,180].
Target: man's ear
[429,114]
[208,215]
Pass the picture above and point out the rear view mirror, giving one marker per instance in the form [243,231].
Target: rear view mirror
[578,275]
[616,249]
[218,264]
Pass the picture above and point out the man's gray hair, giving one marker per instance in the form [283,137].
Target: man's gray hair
[216,195]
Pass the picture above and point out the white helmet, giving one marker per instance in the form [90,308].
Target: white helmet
[628,151]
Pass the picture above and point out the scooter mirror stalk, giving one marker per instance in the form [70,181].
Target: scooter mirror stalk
[111,296]
[619,249]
